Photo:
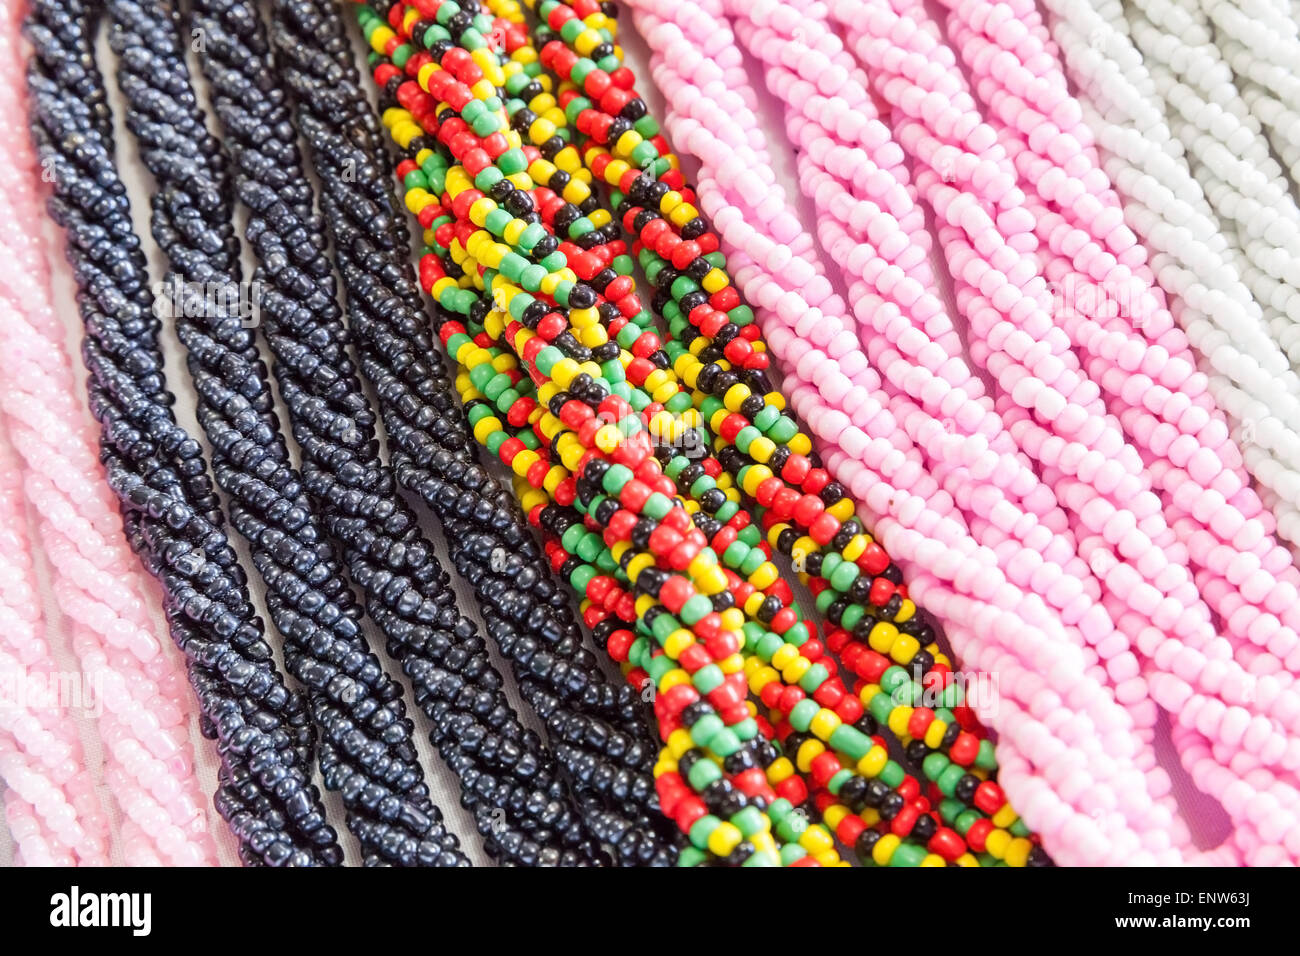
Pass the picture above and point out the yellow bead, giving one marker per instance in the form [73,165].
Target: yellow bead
[842,510]
[784,655]
[934,733]
[725,838]
[678,641]
[835,813]
[816,840]
[639,564]
[795,670]
[523,461]
[997,842]
[933,859]
[898,718]
[808,751]
[679,742]
[825,723]
[674,678]
[884,849]
[967,859]
[761,448]
[765,576]
[761,678]
[1018,852]
[779,769]
[1005,817]
[715,280]
[904,649]
[732,663]
[873,761]
[882,636]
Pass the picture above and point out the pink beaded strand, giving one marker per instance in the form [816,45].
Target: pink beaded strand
[943,542]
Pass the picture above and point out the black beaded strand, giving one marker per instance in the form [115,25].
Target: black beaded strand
[598,727]
[509,780]
[366,751]
[171,515]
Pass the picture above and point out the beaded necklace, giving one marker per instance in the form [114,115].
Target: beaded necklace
[157,471]
[373,37]
[596,727]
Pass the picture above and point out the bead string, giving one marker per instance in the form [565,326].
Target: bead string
[1203,288]
[157,471]
[546,792]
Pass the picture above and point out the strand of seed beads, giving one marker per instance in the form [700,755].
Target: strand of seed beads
[1166,207]
[902,716]
[96,583]
[50,801]
[1228,154]
[1202,639]
[1260,40]
[689,811]
[595,726]
[1018,278]
[1246,577]
[894,295]
[670,485]
[157,471]
[1111,86]
[675,59]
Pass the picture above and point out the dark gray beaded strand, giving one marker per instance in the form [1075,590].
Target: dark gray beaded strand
[598,727]
[172,517]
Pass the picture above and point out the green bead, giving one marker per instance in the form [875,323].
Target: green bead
[880,707]
[648,128]
[814,677]
[907,854]
[533,233]
[616,476]
[985,758]
[657,506]
[644,153]
[892,774]
[514,161]
[745,437]
[708,678]
[768,645]
[696,609]
[852,614]
[702,829]
[724,743]
[934,765]
[703,773]
[783,430]
[572,537]
[496,222]
[749,821]
[581,577]
[847,739]
[802,713]
[704,728]
[948,780]
[893,678]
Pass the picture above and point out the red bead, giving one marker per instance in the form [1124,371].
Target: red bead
[989,797]
[947,844]
[979,832]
